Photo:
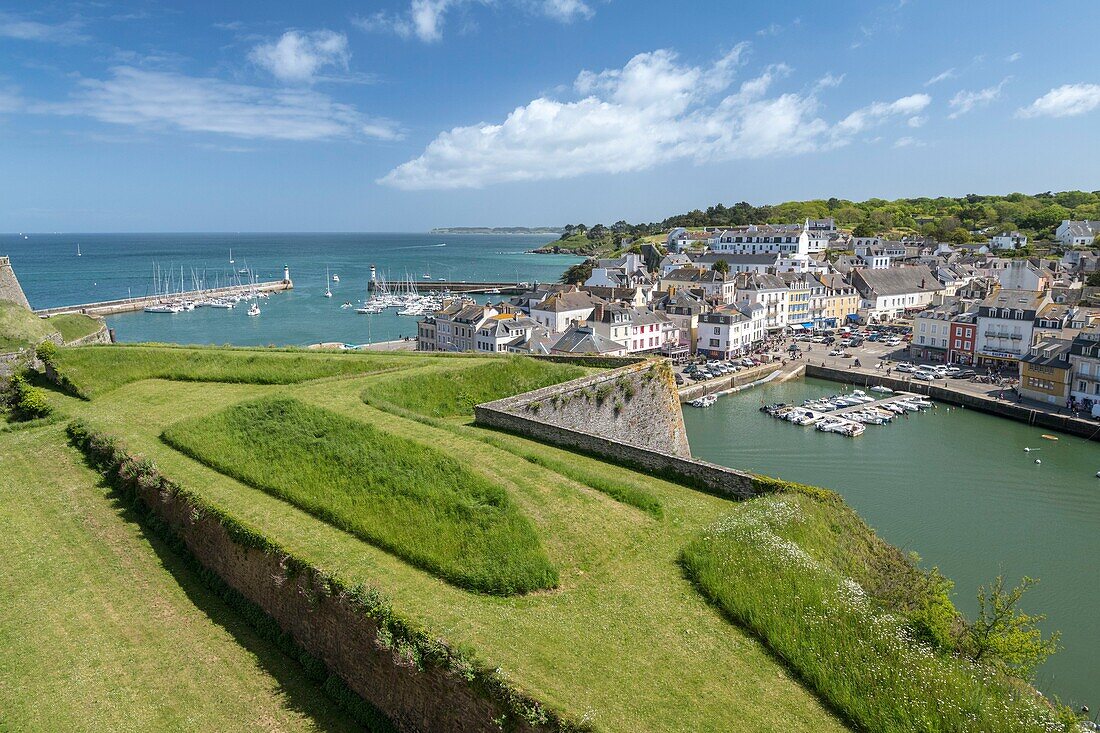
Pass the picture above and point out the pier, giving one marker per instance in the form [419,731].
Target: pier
[895,397]
[126,305]
[435,286]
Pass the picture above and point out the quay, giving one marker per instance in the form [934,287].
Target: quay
[126,305]
[895,397]
[434,286]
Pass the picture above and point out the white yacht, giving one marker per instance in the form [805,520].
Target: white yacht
[254,310]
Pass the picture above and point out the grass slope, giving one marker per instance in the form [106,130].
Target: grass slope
[20,328]
[104,629]
[99,369]
[400,495]
[73,326]
[624,642]
[447,392]
[782,566]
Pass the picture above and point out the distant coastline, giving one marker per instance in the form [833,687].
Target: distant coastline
[497,230]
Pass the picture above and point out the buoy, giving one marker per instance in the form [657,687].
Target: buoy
[1049,437]
[1027,450]
[1038,461]
[1098,474]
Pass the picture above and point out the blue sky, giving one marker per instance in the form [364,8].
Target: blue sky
[408,114]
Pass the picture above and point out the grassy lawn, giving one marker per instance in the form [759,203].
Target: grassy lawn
[105,629]
[447,391]
[99,369]
[403,496]
[780,565]
[624,641]
[73,326]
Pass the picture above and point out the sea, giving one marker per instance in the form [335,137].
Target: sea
[113,266]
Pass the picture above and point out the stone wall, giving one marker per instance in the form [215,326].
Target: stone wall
[1029,415]
[9,285]
[636,404]
[634,437]
[402,678]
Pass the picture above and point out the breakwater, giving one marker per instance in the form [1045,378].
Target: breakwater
[461,287]
[127,305]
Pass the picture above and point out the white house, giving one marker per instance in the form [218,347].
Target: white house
[730,330]
[559,311]
[889,294]
[738,262]
[712,283]
[624,272]
[497,332]
[1008,240]
[1077,233]
[1006,326]
[682,240]
[769,291]
[765,238]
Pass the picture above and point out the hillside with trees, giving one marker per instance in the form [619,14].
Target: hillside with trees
[963,219]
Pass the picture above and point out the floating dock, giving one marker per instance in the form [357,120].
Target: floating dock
[127,305]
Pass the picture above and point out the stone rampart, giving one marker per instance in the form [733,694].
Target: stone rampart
[631,431]
[635,404]
[9,285]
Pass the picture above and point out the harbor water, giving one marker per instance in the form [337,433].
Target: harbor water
[957,487]
[120,265]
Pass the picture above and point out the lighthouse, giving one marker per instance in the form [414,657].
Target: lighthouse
[286,275]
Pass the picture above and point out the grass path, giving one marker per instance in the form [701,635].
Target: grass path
[625,641]
[104,629]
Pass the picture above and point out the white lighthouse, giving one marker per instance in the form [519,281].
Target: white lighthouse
[286,274]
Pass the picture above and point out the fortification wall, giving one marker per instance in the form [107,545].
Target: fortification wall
[636,404]
[630,432]
[9,285]
[407,679]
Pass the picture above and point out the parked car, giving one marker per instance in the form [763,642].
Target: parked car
[926,376]
[836,352]
[874,336]
[829,340]
[679,379]
[893,342]
[964,374]
[905,367]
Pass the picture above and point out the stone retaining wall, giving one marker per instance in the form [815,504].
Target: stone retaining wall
[9,285]
[396,677]
[1029,415]
[737,379]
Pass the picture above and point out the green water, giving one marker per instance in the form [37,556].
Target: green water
[957,487]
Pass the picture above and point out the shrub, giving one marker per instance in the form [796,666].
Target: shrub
[46,351]
[404,497]
[26,402]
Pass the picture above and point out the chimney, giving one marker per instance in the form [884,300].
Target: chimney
[597,314]
[922,283]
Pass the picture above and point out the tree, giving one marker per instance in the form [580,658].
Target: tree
[864,229]
[578,273]
[1006,636]
[1093,280]
[722,266]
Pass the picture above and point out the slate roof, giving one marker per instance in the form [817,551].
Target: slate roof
[583,340]
[895,281]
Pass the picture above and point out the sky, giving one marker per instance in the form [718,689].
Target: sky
[402,115]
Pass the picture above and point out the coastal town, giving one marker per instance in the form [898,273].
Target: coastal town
[971,310]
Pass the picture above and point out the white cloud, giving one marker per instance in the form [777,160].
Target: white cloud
[566,10]
[964,101]
[425,19]
[908,142]
[166,100]
[297,56]
[653,110]
[10,101]
[1013,57]
[942,76]
[916,120]
[1067,100]
[16,27]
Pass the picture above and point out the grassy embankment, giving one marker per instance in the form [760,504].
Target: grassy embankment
[450,393]
[839,605]
[104,628]
[624,642]
[400,495]
[96,370]
[21,329]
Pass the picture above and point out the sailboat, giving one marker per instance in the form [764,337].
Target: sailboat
[254,310]
[78,250]
[231,255]
[328,288]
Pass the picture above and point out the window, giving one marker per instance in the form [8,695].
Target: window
[958,344]
[1040,384]
[714,342]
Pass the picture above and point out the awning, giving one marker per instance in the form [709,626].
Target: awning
[799,326]
[853,316]
[808,325]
